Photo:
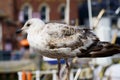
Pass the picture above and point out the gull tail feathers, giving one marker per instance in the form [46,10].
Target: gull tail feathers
[100,49]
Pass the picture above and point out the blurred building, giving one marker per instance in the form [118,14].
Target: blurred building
[7,24]
[47,10]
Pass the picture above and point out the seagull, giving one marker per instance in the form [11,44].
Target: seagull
[63,41]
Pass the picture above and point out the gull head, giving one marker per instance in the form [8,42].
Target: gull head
[32,24]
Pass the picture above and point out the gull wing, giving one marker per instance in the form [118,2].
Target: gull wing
[101,49]
[63,35]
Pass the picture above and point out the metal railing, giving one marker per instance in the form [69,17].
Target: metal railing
[53,72]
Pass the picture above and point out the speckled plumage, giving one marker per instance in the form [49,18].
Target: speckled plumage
[57,40]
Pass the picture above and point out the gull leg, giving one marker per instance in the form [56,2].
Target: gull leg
[68,69]
[59,67]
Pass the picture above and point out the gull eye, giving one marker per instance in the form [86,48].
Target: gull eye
[28,24]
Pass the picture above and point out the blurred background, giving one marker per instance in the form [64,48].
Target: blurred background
[15,54]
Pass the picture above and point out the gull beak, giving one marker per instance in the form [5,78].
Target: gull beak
[19,31]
